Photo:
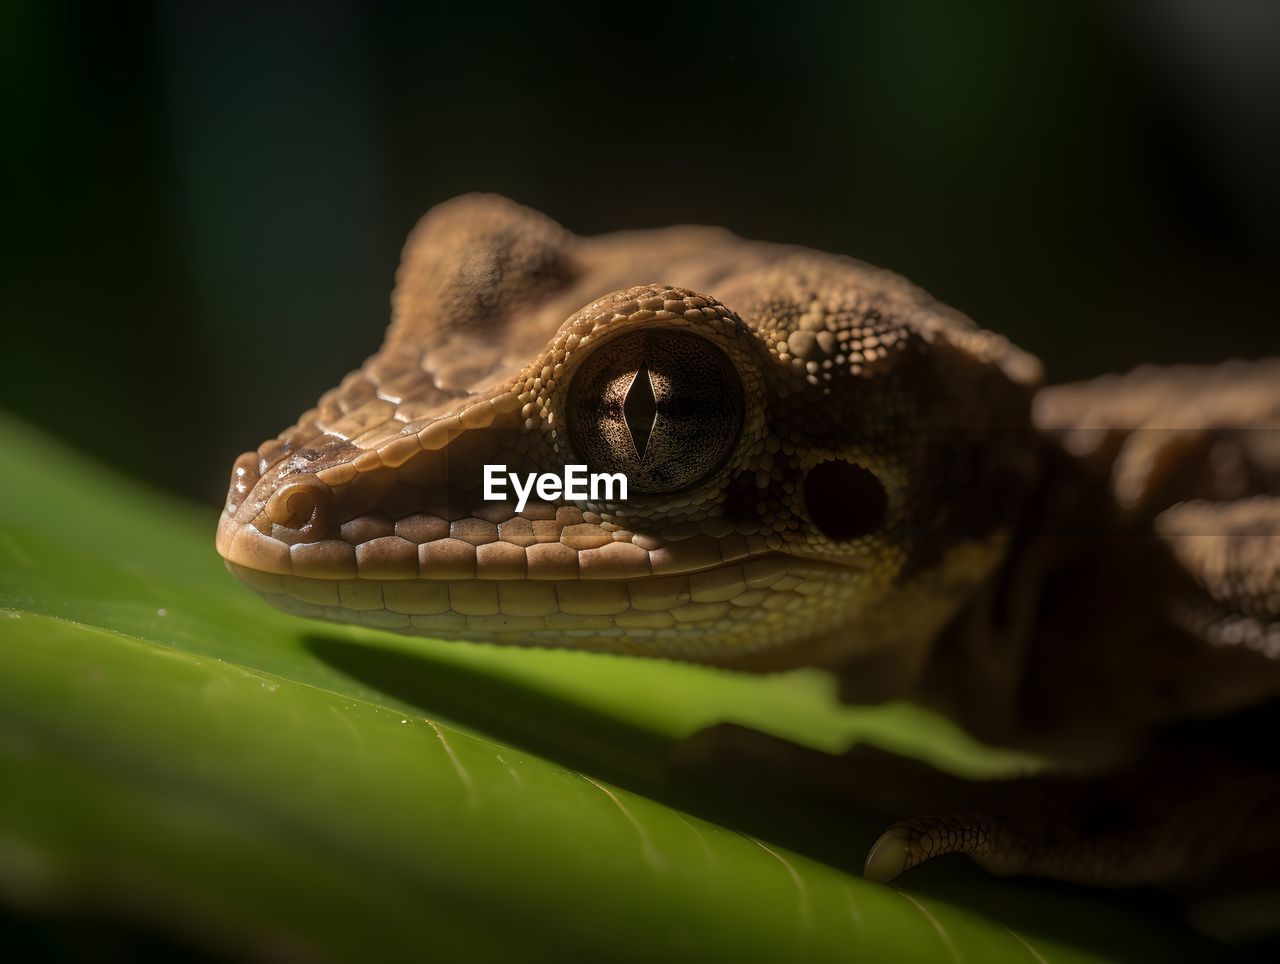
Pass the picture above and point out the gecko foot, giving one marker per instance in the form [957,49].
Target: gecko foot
[1175,818]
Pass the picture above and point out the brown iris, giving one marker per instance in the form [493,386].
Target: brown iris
[665,407]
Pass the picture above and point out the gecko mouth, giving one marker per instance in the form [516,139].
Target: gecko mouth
[700,611]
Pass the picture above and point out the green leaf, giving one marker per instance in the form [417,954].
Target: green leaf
[176,757]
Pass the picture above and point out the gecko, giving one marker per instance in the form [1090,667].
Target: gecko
[826,467]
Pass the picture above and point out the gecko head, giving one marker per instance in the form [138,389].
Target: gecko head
[767,491]
[821,471]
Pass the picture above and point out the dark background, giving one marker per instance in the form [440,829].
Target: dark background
[205,202]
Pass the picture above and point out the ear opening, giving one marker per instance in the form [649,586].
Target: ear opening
[845,500]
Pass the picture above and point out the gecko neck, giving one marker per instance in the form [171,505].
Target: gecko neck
[1067,643]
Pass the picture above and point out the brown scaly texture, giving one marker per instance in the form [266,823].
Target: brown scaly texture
[369,510]
[872,484]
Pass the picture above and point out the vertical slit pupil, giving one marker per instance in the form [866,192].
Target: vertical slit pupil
[640,409]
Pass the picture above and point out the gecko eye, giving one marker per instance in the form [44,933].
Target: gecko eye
[665,407]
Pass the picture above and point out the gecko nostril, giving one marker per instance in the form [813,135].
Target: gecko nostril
[302,503]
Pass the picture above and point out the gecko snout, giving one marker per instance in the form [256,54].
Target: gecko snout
[244,476]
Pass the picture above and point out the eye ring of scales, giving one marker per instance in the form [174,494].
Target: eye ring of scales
[901,503]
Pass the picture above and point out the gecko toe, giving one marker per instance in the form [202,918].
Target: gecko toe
[910,843]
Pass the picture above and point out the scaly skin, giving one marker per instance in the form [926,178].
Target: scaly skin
[829,469]
[369,509]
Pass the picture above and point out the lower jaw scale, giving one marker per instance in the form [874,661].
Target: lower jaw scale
[619,617]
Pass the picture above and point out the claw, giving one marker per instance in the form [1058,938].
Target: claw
[889,856]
